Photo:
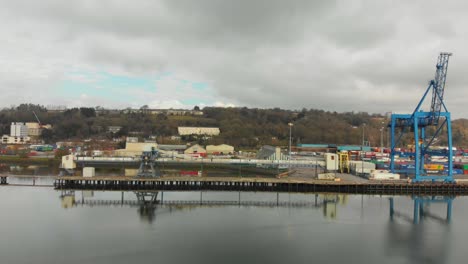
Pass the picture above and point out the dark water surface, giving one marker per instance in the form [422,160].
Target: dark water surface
[41,225]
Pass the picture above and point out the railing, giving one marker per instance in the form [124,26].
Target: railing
[293,163]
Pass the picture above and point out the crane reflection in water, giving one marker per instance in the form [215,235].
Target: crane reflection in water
[412,233]
[149,203]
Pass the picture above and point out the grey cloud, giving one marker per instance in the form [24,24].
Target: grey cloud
[336,55]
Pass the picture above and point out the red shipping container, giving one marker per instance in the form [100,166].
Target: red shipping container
[188,172]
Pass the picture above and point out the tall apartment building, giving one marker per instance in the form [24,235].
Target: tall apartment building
[18,129]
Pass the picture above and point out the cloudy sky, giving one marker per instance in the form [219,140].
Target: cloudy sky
[375,56]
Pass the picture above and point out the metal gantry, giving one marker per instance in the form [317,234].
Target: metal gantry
[419,120]
[344,162]
[148,166]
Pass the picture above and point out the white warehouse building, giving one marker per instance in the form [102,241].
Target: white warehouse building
[208,131]
[222,149]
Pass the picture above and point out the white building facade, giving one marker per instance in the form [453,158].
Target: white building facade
[208,131]
[18,134]
[222,149]
[18,129]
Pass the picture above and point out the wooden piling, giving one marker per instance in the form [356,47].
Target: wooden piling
[259,184]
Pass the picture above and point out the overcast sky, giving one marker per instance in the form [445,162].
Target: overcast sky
[374,56]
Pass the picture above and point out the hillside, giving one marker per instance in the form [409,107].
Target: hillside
[241,127]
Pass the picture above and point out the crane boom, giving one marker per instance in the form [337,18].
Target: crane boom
[37,118]
[439,86]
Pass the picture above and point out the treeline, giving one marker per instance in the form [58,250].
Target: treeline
[240,127]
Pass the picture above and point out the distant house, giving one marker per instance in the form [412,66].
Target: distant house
[113,129]
[69,144]
[177,112]
[175,137]
[271,153]
[132,139]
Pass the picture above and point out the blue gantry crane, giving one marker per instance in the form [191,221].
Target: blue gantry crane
[417,122]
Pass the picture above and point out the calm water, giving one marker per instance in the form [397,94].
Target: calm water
[40,225]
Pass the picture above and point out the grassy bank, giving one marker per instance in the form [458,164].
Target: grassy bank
[29,161]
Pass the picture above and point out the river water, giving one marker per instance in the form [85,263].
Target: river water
[42,225]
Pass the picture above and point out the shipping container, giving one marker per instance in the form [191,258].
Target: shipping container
[433,167]
[384,175]
[89,172]
[381,166]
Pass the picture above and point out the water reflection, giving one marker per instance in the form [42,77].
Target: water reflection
[149,202]
[421,209]
[68,199]
[147,205]
[418,231]
[303,226]
[420,241]
[29,170]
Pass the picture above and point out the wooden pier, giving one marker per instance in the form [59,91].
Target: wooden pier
[258,184]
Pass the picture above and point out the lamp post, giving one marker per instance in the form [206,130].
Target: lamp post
[381,139]
[290,132]
[363,139]
[362,150]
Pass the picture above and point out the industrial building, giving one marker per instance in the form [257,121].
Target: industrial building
[176,148]
[18,134]
[196,149]
[6,139]
[333,148]
[34,129]
[133,149]
[222,149]
[271,153]
[207,131]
